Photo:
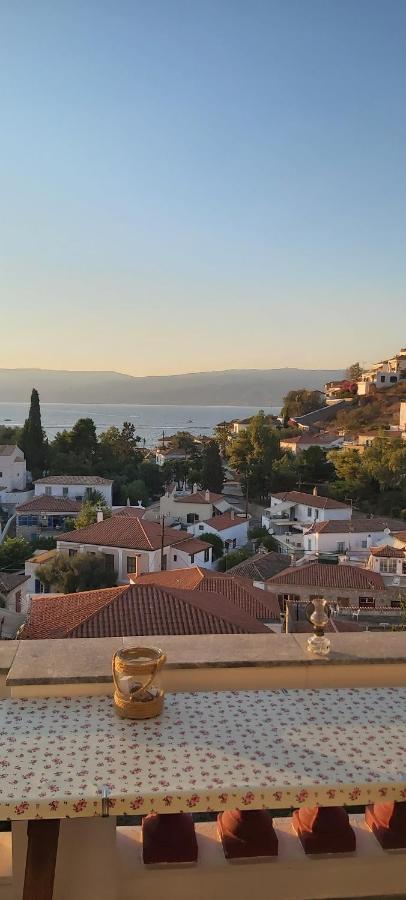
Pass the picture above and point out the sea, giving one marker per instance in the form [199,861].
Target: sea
[149,421]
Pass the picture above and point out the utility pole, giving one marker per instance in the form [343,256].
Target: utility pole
[162,541]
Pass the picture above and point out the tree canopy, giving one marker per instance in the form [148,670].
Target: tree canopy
[298,403]
[70,574]
[33,440]
[212,474]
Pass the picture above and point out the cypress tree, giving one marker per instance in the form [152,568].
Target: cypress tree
[33,440]
[212,477]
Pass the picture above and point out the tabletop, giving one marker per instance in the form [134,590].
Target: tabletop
[206,752]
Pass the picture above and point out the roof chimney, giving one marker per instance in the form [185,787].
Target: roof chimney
[232,513]
[194,491]
[207,496]
[128,501]
[315,491]
[99,514]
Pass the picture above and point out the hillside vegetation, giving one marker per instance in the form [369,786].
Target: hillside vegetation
[371,413]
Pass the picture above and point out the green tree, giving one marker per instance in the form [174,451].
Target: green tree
[13,553]
[215,541]
[284,471]
[136,490]
[347,464]
[10,434]
[70,574]
[221,434]
[123,443]
[354,372]
[88,513]
[232,559]
[313,466]
[83,439]
[182,440]
[212,476]
[33,440]
[253,454]
[298,403]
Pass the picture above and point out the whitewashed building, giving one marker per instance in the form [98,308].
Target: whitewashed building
[186,508]
[75,487]
[303,509]
[13,477]
[133,545]
[352,538]
[229,527]
[390,562]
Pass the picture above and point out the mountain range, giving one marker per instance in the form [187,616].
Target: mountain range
[232,387]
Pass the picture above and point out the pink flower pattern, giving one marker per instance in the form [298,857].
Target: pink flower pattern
[206,752]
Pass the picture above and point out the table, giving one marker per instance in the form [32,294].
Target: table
[207,752]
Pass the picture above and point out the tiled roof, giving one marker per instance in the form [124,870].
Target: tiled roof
[200,497]
[53,617]
[224,521]
[137,610]
[7,449]
[400,535]
[316,439]
[74,479]
[315,500]
[351,526]
[137,511]
[194,545]
[128,532]
[388,552]
[47,504]
[11,580]
[323,575]
[260,604]
[261,566]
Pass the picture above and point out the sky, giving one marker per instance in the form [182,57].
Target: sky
[188,185]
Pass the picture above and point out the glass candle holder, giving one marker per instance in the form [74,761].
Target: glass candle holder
[137,686]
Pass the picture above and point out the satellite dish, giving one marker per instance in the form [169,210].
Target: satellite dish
[386,531]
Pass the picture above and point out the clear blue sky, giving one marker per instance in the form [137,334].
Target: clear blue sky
[194,185]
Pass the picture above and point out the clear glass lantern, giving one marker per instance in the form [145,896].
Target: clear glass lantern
[136,674]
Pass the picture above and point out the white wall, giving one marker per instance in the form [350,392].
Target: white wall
[328,543]
[75,491]
[184,560]
[13,471]
[238,531]
[307,514]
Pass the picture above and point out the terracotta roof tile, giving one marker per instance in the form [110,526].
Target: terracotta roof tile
[388,552]
[315,500]
[323,575]
[357,525]
[47,504]
[128,532]
[224,521]
[200,497]
[261,566]
[74,479]
[144,609]
[194,545]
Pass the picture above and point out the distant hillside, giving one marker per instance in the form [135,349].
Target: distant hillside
[373,412]
[239,387]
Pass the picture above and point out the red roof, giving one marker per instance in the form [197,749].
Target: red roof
[128,532]
[224,521]
[137,511]
[388,552]
[200,497]
[49,504]
[146,609]
[316,439]
[192,546]
[352,526]
[310,500]
[74,479]
[323,575]
[240,591]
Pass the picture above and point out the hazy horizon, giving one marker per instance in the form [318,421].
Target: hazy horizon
[201,187]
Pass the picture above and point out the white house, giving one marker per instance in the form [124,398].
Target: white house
[240,425]
[353,538]
[74,487]
[13,477]
[13,588]
[303,509]
[230,528]
[326,441]
[45,516]
[390,562]
[180,507]
[383,374]
[169,454]
[131,545]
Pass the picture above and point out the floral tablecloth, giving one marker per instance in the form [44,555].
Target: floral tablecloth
[208,751]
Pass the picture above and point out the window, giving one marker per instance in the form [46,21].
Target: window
[393,379]
[164,562]
[234,543]
[109,562]
[388,566]
[192,558]
[317,514]
[190,518]
[72,552]
[65,491]
[340,547]
[364,545]
[404,568]
[366,603]
[207,555]
[309,544]
[201,527]
[382,379]
[131,564]
[48,491]
[175,557]
[309,511]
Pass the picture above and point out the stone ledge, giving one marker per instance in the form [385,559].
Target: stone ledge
[88,660]
[8,650]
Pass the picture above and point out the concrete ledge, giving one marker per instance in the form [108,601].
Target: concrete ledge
[87,661]
[8,650]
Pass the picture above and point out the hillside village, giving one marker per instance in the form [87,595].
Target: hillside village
[268,512]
